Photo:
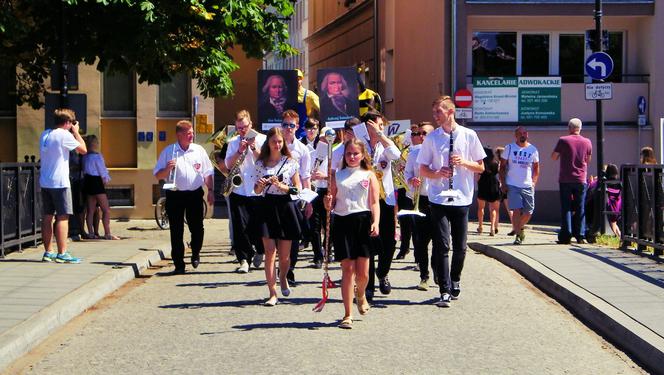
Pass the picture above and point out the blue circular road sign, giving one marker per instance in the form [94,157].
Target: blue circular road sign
[599,65]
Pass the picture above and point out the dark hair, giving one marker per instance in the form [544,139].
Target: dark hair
[648,156]
[612,172]
[372,116]
[365,162]
[311,122]
[348,125]
[265,148]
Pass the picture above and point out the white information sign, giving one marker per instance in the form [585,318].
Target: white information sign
[599,91]
[463,113]
[496,100]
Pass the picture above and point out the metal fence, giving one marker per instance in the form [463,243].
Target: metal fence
[643,207]
[21,206]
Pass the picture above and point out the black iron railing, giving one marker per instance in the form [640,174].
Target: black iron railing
[20,210]
[643,207]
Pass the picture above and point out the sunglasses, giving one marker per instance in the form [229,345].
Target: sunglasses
[287,125]
[415,134]
[311,129]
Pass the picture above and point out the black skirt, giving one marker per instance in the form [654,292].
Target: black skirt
[351,236]
[93,185]
[279,218]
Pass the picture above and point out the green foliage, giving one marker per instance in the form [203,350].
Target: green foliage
[154,38]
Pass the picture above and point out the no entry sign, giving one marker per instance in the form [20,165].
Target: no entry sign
[463,98]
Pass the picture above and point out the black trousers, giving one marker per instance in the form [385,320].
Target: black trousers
[181,204]
[449,221]
[384,245]
[405,222]
[244,215]
[317,223]
[422,230]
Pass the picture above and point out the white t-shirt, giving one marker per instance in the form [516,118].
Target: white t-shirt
[94,165]
[247,169]
[435,154]
[191,168]
[54,147]
[319,161]
[302,156]
[352,191]
[520,164]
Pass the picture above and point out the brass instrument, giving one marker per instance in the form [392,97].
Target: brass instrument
[416,200]
[399,165]
[218,139]
[234,178]
[379,176]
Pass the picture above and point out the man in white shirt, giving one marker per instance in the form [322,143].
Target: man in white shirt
[189,167]
[300,153]
[422,226]
[54,147]
[243,200]
[519,172]
[449,158]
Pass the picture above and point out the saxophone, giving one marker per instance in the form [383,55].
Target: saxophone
[234,178]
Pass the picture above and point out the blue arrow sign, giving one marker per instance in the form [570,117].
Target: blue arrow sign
[599,65]
[641,105]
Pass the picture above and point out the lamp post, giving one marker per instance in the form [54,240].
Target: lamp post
[598,47]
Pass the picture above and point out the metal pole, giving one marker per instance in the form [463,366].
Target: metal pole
[64,87]
[600,128]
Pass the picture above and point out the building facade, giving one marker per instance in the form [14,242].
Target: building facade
[427,48]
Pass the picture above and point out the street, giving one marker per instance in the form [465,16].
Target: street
[211,320]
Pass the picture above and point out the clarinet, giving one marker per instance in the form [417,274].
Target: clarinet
[449,159]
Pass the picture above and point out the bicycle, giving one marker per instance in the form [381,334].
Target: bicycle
[161,216]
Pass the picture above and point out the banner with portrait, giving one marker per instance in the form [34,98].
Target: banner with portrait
[277,92]
[338,89]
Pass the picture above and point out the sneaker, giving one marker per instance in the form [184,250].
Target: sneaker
[423,285]
[67,258]
[517,240]
[384,285]
[290,276]
[522,235]
[258,260]
[456,289]
[244,267]
[318,264]
[444,300]
[511,233]
[49,256]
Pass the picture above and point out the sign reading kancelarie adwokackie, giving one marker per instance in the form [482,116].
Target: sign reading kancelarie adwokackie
[512,99]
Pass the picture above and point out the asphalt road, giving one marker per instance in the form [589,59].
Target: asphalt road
[211,321]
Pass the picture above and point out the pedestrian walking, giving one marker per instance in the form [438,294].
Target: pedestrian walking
[54,147]
[574,152]
[449,158]
[519,172]
[488,193]
[277,178]
[354,198]
[190,168]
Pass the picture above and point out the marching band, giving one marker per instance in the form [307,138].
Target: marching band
[269,174]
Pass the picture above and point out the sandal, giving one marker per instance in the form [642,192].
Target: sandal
[479,230]
[89,236]
[362,304]
[111,237]
[346,323]
[271,302]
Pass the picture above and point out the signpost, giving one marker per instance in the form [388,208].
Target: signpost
[599,65]
[599,91]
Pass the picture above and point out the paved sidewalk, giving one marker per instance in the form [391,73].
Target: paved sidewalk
[619,294]
[37,298]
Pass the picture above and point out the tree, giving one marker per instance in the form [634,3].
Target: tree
[154,38]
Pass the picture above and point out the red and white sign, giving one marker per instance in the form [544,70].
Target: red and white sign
[463,98]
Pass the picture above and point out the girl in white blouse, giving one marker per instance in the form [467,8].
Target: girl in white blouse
[354,198]
[95,178]
[277,178]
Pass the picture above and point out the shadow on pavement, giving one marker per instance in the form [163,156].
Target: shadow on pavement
[297,325]
[245,303]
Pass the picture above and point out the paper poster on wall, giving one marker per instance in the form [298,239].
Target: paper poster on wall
[512,99]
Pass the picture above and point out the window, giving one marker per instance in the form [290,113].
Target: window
[7,91]
[175,96]
[615,50]
[494,53]
[535,55]
[571,58]
[119,94]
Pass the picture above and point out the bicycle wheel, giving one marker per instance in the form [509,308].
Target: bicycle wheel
[160,213]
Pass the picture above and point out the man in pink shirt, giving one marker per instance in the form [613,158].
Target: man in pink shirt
[574,152]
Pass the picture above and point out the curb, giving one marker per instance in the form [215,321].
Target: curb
[623,331]
[26,335]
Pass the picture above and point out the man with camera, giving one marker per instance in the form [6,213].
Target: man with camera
[54,147]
